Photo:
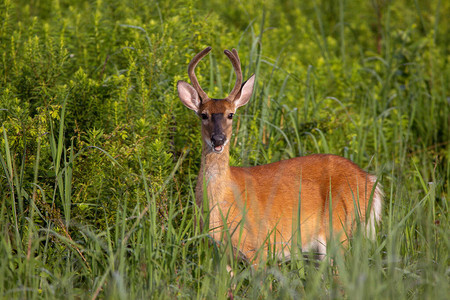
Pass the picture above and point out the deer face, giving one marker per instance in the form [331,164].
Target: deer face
[217,118]
[216,114]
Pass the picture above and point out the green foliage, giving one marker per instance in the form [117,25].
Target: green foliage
[99,158]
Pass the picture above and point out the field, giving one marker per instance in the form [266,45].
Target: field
[99,158]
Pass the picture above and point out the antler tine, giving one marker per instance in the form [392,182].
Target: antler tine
[236,55]
[234,58]
[191,72]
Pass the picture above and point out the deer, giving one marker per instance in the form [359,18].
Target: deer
[320,196]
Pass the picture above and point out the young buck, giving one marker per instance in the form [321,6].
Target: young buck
[311,197]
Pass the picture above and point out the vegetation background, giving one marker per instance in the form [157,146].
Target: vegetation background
[99,157]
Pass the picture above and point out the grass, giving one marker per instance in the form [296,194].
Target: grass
[99,157]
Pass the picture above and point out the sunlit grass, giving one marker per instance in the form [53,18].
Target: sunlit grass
[99,158]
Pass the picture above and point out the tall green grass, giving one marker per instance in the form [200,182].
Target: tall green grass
[99,158]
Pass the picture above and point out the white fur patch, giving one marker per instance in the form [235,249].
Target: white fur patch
[318,244]
[375,212]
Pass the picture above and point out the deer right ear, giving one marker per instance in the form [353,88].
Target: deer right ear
[188,95]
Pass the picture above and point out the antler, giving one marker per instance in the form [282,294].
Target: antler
[234,58]
[191,72]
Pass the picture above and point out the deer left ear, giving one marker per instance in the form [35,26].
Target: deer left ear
[246,92]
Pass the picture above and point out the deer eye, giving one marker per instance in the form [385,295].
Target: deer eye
[204,116]
[230,116]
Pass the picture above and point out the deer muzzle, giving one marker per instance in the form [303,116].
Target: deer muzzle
[218,138]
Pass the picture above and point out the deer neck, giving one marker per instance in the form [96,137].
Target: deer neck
[215,167]
[215,176]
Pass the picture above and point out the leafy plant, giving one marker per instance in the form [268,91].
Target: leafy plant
[99,158]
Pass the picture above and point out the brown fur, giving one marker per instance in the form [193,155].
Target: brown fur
[265,199]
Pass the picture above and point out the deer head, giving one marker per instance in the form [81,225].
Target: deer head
[216,114]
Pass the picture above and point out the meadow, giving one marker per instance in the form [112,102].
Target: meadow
[99,158]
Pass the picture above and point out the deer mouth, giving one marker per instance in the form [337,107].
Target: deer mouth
[217,142]
[218,149]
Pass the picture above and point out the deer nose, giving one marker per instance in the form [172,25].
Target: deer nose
[218,139]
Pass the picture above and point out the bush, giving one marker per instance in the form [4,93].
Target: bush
[100,158]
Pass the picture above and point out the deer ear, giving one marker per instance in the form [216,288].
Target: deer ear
[188,95]
[246,92]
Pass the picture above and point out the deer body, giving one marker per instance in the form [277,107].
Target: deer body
[272,205]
